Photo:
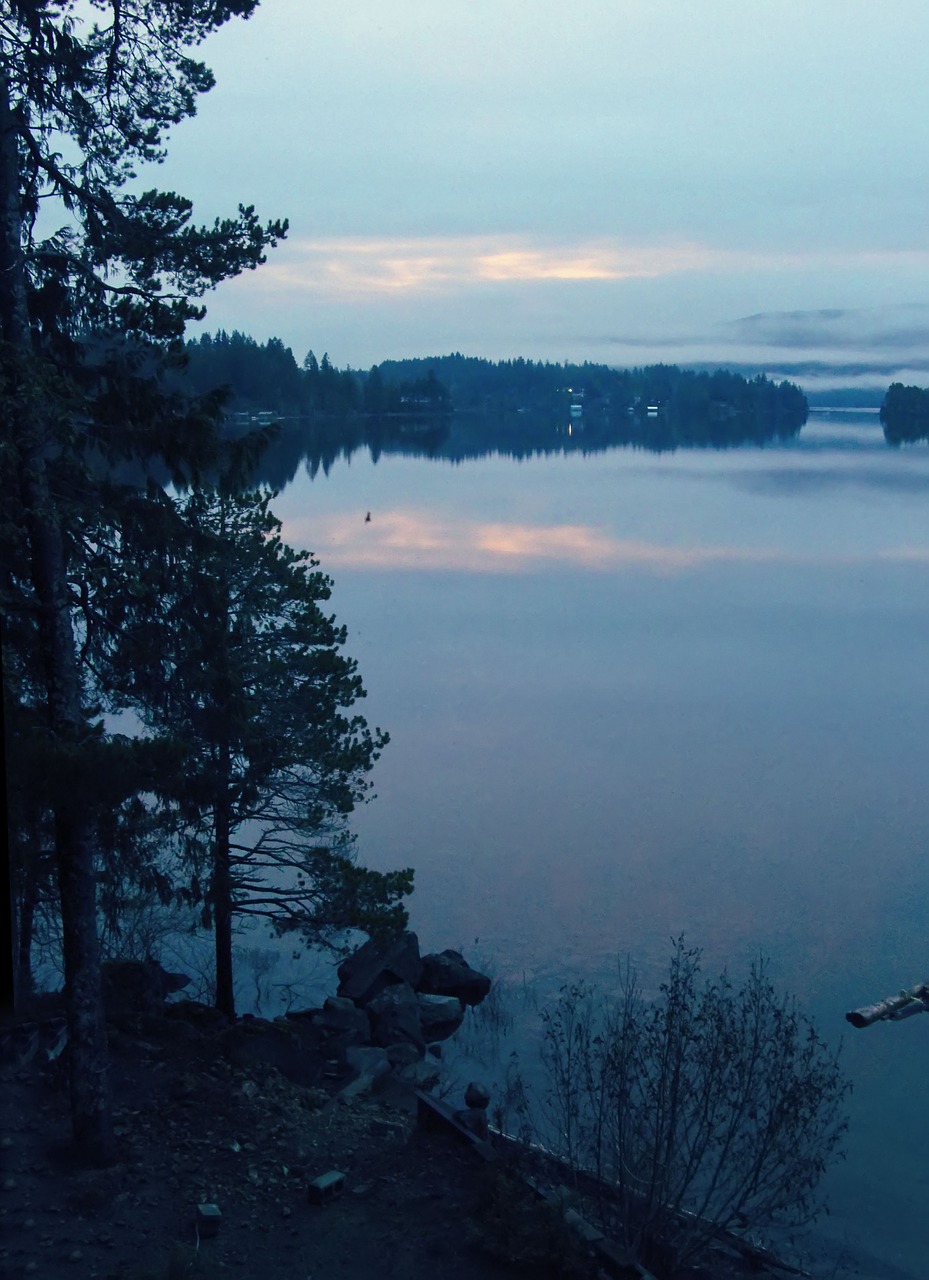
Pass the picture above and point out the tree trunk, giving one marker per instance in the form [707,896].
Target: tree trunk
[222,826]
[88,1055]
[23,938]
[14,313]
[222,909]
[88,1050]
[9,990]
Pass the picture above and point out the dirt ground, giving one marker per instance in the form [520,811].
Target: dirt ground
[201,1117]
[193,1128]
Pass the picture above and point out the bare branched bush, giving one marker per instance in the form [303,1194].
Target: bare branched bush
[260,963]
[710,1110]
[143,927]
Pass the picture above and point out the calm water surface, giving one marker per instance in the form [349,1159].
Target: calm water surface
[631,695]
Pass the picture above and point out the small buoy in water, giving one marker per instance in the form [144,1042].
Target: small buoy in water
[368,518]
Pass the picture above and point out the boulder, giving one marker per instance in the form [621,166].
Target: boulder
[421,1075]
[288,1048]
[395,1018]
[439,1016]
[137,986]
[370,1066]
[403,1054]
[449,974]
[205,1017]
[368,1061]
[373,967]
[340,1016]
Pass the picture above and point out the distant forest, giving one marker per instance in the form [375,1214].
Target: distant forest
[905,414]
[717,407]
[525,405]
[265,378]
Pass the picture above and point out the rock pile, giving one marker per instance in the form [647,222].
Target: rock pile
[392,1004]
[409,1001]
[138,986]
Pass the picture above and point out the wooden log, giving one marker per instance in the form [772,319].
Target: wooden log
[894,1008]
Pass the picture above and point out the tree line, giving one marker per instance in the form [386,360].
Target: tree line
[659,406]
[692,405]
[178,603]
[905,414]
[259,377]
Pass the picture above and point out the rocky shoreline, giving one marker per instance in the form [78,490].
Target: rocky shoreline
[251,1117]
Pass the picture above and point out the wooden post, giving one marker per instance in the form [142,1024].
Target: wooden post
[894,1008]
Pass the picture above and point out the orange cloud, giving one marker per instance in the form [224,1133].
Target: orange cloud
[405,538]
[357,265]
[345,266]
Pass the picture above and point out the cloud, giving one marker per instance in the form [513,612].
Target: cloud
[351,266]
[865,347]
[365,299]
[412,539]
[899,328]
[356,265]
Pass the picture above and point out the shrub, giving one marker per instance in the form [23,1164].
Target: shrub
[706,1111]
[515,1226]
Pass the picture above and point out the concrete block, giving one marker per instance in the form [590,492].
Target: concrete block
[328,1186]
[208,1220]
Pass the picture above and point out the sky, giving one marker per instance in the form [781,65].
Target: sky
[624,182]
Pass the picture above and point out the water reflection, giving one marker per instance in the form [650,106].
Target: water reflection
[420,539]
[404,539]
[408,539]
[797,480]
[317,445]
[631,694]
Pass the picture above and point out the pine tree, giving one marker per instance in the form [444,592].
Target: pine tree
[223,649]
[88,315]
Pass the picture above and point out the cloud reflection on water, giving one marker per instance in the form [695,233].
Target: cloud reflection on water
[407,538]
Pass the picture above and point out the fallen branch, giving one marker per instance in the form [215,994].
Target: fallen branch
[894,1008]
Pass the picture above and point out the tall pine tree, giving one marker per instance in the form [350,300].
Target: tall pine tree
[89,313]
[223,649]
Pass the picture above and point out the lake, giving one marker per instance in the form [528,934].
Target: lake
[635,694]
